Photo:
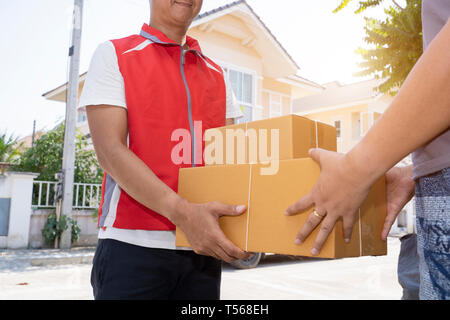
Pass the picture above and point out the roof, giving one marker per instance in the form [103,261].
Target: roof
[239,2]
[297,78]
[337,94]
[59,93]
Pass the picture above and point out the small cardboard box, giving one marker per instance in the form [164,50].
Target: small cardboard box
[253,142]
[264,227]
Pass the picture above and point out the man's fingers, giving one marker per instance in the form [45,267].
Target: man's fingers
[223,254]
[301,205]
[311,223]
[207,252]
[230,248]
[325,229]
[231,251]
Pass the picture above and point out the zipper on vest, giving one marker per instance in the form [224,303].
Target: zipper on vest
[189,102]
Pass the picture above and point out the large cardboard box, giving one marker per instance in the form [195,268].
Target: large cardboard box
[264,227]
[255,142]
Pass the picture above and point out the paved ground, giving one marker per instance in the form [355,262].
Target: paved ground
[64,274]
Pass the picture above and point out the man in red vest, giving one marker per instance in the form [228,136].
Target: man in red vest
[138,91]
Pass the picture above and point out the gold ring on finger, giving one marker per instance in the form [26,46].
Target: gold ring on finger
[317,214]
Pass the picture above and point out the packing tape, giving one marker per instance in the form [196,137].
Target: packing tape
[248,207]
[317,134]
[360,235]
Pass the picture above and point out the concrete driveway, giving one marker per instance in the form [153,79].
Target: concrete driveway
[277,277]
[281,277]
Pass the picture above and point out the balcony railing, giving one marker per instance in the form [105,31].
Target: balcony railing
[85,195]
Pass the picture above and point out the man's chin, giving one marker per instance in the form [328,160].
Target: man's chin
[182,19]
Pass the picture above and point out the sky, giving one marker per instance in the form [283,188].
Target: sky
[35,37]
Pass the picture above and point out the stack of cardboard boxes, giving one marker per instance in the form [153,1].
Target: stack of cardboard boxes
[265,165]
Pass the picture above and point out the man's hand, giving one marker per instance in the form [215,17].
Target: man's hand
[200,223]
[400,190]
[338,193]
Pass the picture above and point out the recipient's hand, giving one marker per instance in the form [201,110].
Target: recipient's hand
[200,223]
[399,191]
[338,193]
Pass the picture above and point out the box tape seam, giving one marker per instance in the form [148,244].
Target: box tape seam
[360,234]
[248,207]
[247,156]
[317,134]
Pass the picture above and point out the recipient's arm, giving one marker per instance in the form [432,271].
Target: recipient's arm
[419,113]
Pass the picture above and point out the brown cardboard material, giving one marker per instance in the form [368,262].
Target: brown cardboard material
[264,227]
[296,136]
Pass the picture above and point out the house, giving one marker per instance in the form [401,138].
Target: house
[351,108]
[27,142]
[263,75]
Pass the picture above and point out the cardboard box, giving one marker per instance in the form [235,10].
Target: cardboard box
[264,227]
[252,142]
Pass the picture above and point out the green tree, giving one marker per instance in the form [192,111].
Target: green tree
[45,158]
[363,5]
[395,43]
[9,150]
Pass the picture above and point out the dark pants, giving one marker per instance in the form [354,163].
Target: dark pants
[125,271]
[408,267]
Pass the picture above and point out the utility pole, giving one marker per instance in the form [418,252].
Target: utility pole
[68,163]
[34,133]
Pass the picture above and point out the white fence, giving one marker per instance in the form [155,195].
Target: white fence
[85,195]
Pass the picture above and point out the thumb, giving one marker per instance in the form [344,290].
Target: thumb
[229,210]
[388,222]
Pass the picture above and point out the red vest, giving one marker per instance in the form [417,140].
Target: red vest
[166,88]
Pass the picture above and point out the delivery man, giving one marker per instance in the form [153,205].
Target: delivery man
[417,121]
[138,91]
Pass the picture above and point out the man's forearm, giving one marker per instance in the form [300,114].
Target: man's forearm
[138,180]
[419,113]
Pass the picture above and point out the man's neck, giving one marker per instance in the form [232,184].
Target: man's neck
[176,34]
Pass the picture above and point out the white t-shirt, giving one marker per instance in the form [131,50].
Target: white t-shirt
[104,85]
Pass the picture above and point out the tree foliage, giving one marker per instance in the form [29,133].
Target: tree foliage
[363,5]
[45,158]
[395,43]
[9,151]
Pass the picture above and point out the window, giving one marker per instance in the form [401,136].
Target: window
[243,88]
[242,84]
[337,125]
[276,103]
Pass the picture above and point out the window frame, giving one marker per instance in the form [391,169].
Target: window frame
[272,93]
[226,66]
[340,120]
